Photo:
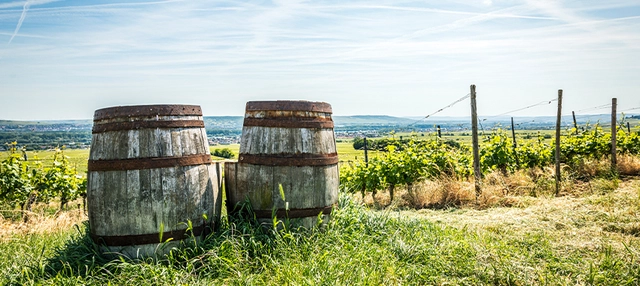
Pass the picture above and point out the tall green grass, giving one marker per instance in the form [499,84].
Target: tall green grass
[358,246]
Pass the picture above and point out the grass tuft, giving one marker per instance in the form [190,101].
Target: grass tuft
[628,165]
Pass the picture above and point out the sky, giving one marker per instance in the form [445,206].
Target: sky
[66,59]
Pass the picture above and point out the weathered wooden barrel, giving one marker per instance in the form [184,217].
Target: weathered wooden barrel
[149,174]
[289,144]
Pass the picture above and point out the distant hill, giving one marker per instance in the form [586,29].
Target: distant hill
[46,134]
[45,125]
[234,123]
[370,120]
[223,122]
[45,122]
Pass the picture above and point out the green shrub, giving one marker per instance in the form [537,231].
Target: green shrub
[223,153]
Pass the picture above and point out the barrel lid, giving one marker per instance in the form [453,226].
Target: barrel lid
[289,105]
[147,110]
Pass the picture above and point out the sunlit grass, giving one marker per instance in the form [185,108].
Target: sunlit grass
[235,148]
[565,240]
[77,157]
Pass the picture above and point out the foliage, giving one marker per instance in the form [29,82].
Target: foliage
[16,178]
[223,153]
[498,153]
[408,161]
[42,140]
[378,144]
[358,143]
[405,163]
[595,144]
[534,154]
[62,180]
[24,184]
[628,143]
[359,177]
[590,144]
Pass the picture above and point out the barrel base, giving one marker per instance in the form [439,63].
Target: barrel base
[294,223]
[314,191]
[154,251]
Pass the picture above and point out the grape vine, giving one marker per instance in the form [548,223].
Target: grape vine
[24,183]
[406,162]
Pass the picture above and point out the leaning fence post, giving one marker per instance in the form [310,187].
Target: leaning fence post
[366,155]
[558,126]
[474,140]
[575,123]
[614,132]
[515,144]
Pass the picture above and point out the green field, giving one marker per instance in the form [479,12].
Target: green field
[77,157]
[235,148]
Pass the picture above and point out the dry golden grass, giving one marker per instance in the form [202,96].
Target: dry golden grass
[574,223]
[594,168]
[441,193]
[433,194]
[508,190]
[497,190]
[40,223]
[628,165]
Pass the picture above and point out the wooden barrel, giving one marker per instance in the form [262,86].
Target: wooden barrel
[289,144]
[149,174]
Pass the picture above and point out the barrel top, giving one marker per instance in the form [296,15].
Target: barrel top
[289,105]
[147,110]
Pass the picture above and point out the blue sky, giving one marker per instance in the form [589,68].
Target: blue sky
[65,59]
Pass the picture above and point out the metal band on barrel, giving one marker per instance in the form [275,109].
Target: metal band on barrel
[289,159]
[141,239]
[135,125]
[293,213]
[146,110]
[148,163]
[289,123]
[286,105]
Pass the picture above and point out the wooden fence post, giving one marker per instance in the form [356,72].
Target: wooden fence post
[558,126]
[628,128]
[575,123]
[439,132]
[515,144]
[614,132]
[474,140]
[366,155]
[219,175]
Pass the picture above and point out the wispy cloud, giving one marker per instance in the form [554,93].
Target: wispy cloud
[25,8]
[17,4]
[14,4]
